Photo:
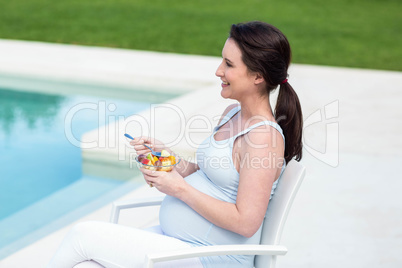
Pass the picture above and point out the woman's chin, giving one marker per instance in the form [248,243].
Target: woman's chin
[225,94]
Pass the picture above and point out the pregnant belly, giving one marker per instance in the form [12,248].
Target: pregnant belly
[178,220]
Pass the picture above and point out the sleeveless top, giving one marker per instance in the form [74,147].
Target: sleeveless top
[218,178]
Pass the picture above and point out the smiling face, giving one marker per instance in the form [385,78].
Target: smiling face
[237,80]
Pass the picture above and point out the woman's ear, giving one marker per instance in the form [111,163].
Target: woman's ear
[258,79]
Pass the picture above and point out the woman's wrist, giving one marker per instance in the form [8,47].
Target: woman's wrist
[183,191]
[185,168]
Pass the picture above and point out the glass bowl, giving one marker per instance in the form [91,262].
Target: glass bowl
[166,168]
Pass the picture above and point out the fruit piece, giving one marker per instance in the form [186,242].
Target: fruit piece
[165,153]
[172,159]
[147,164]
[151,158]
[158,165]
[167,169]
[146,161]
[141,157]
[154,159]
[165,161]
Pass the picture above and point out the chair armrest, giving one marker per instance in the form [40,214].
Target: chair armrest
[134,203]
[214,251]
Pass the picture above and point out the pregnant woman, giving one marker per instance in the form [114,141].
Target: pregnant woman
[223,198]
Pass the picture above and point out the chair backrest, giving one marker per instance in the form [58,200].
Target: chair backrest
[278,210]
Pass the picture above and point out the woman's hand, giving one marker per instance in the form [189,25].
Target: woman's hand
[170,183]
[139,147]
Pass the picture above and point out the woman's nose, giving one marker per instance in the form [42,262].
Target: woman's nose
[219,71]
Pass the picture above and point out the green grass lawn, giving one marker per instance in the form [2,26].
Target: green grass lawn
[353,33]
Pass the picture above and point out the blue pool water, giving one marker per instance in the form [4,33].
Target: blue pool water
[40,169]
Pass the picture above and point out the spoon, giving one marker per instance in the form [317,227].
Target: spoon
[158,154]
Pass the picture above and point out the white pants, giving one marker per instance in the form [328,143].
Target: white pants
[101,244]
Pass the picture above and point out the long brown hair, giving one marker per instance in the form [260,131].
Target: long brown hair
[266,50]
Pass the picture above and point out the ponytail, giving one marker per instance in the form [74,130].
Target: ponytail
[289,116]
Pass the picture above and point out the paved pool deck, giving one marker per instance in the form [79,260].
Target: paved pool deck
[348,212]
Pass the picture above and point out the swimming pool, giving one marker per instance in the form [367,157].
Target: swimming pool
[42,186]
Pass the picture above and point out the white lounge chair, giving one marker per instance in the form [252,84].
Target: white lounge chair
[266,251]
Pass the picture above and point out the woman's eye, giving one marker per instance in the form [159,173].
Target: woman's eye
[228,64]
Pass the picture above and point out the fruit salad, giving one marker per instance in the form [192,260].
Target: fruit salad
[165,162]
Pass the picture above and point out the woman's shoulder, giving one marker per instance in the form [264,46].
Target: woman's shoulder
[227,110]
[264,138]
